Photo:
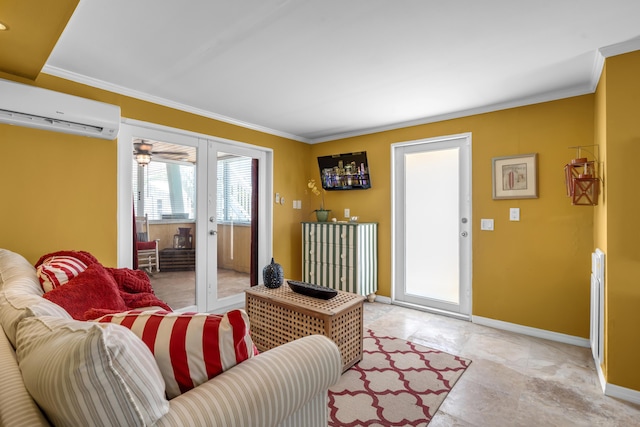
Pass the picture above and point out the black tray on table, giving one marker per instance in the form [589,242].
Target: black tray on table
[312,290]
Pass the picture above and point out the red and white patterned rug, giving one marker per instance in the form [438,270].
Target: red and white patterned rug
[397,383]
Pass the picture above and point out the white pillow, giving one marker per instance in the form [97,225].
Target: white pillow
[15,305]
[55,271]
[21,294]
[85,373]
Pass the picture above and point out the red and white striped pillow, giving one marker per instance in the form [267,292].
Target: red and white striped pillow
[190,348]
[58,270]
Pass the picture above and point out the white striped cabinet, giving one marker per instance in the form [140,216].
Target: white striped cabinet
[342,256]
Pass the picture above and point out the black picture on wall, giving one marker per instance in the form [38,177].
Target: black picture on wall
[348,171]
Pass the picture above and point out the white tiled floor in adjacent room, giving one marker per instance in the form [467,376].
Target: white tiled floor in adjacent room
[514,380]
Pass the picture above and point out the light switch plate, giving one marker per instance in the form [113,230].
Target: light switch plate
[514,214]
[486,224]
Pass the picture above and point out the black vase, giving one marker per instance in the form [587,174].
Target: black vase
[273,275]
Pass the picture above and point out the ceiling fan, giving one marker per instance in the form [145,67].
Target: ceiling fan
[142,151]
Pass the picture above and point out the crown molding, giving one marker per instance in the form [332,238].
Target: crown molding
[100,84]
[596,71]
[620,48]
[598,63]
[583,89]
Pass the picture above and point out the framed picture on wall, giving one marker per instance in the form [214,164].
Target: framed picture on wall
[515,177]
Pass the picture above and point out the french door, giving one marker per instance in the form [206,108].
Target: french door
[236,241]
[432,224]
[216,188]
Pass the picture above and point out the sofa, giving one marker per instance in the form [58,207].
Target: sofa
[56,370]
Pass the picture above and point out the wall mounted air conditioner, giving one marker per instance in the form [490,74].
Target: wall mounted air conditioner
[31,106]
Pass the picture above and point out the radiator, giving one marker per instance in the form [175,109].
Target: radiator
[597,306]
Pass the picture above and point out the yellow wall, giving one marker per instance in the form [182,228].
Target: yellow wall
[621,90]
[534,272]
[59,190]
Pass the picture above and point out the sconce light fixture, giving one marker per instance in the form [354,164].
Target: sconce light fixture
[581,177]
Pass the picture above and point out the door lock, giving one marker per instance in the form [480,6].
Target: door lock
[213,232]
[464,234]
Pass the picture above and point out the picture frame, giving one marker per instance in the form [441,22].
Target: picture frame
[515,177]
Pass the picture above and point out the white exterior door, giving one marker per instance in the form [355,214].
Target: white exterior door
[432,224]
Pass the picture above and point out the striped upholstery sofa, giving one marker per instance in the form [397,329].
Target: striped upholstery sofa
[286,386]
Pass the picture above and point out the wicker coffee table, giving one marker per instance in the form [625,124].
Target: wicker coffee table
[278,316]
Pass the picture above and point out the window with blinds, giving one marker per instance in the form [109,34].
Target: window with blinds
[164,190]
[234,190]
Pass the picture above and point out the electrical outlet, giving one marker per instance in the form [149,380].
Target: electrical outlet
[347,213]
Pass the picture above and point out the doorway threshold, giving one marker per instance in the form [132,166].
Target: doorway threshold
[432,310]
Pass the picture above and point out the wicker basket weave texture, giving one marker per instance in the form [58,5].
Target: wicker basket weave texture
[278,316]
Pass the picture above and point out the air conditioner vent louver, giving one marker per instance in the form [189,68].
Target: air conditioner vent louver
[31,106]
[41,122]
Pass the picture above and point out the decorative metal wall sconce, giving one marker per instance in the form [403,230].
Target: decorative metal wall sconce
[581,176]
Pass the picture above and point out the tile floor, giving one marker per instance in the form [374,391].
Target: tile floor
[177,288]
[514,380]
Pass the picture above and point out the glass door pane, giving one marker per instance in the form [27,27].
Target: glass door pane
[432,262]
[164,192]
[234,213]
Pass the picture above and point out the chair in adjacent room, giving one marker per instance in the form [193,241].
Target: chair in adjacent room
[148,255]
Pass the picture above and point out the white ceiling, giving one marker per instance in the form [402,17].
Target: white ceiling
[317,70]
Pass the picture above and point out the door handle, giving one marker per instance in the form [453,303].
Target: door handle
[213,232]
[464,234]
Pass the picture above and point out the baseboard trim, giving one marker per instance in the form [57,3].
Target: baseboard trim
[622,393]
[383,300]
[534,332]
[601,377]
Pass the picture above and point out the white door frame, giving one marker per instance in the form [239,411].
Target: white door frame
[128,128]
[397,226]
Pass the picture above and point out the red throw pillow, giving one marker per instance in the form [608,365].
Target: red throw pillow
[93,288]
[190,348]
